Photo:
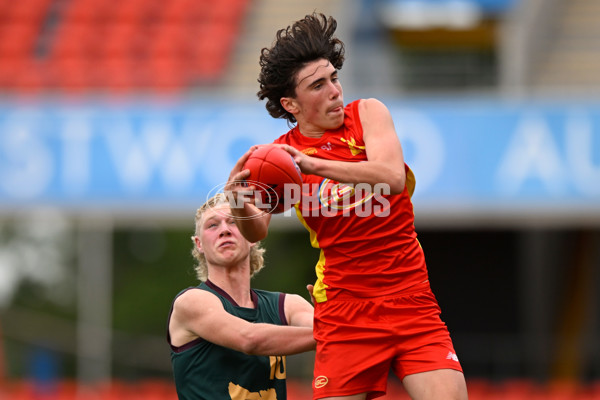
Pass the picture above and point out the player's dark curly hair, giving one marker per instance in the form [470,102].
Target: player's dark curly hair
[307,40]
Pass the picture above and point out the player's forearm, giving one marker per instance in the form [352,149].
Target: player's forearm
[368,172]
[276,340]
[252,222]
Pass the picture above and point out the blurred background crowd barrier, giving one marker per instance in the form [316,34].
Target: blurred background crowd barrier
[118,119]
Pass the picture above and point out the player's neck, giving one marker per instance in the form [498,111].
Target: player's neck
[236,284]
[310,131]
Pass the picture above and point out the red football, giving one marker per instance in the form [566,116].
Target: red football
[276,177]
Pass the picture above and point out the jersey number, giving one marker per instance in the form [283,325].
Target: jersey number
[277,367]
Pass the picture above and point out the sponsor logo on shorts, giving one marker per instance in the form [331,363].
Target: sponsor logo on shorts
[320,381]
[452,356]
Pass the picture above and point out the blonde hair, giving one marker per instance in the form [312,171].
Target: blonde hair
[256,251]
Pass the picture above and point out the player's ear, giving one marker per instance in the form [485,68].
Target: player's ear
[198,243]
[289,105]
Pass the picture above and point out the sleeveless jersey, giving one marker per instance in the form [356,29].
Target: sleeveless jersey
[368,242]
[206,371]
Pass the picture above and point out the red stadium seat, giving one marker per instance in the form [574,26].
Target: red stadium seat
[157,390]
[88,11]
[76,40]
[30,78]
[73,75]
[120,41]
[166,75]
[132,12]
[121,75]
[127,45]
[17,39]
[28,12]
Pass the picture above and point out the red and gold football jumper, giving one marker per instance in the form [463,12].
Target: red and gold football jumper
[368,242]
[374,308]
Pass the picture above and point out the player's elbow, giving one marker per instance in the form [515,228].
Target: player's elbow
[249,349]
[396,188]
[396,183]
[250,342]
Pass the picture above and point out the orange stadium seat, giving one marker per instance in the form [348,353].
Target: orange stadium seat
[75,40]
[17,39]
[133,11]
[88,11]
[594,391]
[176,11]
[120,41]
[166,74]
[31,77]
[73,75]
[170,40]
[8,68]
[211,51]
[19,390]
[5,6]
[562,390]
[153,389]
[227,12]
[27,11]
[127,45]
[157,390]
[121,75]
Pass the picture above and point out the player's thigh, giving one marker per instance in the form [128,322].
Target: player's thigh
[440,384]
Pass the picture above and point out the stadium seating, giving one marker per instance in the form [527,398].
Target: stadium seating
[153,389]
[106,46]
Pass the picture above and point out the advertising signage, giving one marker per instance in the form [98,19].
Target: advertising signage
[471,156]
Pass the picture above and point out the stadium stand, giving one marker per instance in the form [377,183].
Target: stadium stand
[151,389]
[131,45]
[445,44]
[570,55]
[264,18]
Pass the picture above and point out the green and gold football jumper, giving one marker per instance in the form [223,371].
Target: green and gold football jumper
[206,371]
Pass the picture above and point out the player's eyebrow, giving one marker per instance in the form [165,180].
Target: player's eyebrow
[213,218]
[209,219]
[316,69]
[321,80]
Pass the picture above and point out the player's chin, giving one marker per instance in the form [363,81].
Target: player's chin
[335,120]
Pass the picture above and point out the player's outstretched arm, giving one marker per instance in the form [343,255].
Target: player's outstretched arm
[198,313]
[252,222]
[298,311]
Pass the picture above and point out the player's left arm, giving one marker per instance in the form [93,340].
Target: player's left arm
[199,313]
[385,159]
[252,222]
[298,311]
[383,148]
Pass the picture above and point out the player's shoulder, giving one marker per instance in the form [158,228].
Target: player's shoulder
[267,294]
[295,299]
[286,138]
[372,110]
[371,104]
[193,298]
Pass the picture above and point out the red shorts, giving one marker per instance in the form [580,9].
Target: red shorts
[360,339]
